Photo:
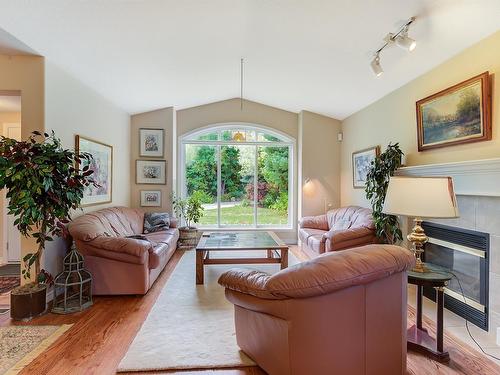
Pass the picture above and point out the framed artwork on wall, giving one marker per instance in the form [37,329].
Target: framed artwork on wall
[102,165]
[150,198]
[361,162]
[460,114]
[151,142]
[151,172]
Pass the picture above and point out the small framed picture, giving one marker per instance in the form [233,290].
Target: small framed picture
[151,172]
[150,198]
[151,142]
[361,163]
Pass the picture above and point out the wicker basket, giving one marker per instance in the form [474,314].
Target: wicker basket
[188,238]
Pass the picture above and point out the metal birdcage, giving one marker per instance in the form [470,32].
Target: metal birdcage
[73,286]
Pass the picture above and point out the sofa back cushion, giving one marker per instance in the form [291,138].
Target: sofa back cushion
[110,222]
[350,216]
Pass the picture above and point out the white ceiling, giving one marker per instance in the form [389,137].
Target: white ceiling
[10,103]
[300,54]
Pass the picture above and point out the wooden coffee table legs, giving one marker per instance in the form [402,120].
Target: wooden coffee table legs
[200,255]
[273,256]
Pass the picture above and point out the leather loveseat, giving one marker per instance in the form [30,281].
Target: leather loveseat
[339,313]
[122,265]
[339,229]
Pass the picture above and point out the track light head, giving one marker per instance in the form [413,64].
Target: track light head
[375,65]
[405,42]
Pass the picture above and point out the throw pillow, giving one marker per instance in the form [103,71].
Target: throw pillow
[156,221]
[341,224]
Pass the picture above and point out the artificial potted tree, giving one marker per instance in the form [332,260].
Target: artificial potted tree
[377,180]
[190,211]
[43,185]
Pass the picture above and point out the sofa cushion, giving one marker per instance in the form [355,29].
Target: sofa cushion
[109,222]
[163,243]
[357,216]
[341,224]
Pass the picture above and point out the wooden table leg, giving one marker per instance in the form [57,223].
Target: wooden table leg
[439,327]
[420,291]
[269,254]
[199,266]
[284,258]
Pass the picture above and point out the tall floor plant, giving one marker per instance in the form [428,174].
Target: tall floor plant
[382,168]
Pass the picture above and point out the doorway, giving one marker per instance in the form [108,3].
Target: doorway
[10,126]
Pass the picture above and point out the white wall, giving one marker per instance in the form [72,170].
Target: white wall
[72,108]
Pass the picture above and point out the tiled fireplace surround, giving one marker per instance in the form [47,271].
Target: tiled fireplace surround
[477,186]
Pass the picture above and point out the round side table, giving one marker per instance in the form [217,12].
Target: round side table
[418,338]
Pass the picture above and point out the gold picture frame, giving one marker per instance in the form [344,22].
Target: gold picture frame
[103,170]
[361,161]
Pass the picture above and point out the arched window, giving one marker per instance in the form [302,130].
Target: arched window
[241,172]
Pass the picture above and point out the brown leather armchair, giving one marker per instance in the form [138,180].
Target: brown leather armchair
[339,229]
[340,313]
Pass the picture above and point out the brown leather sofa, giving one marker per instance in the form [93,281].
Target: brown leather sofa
[121,265]
[340,313]
[339,229]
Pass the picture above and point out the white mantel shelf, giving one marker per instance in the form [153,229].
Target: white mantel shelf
[473,177]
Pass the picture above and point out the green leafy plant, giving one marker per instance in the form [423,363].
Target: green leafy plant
[43,185]
[377,180]
[190,209]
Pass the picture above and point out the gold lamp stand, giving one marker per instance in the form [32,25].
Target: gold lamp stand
[418,238]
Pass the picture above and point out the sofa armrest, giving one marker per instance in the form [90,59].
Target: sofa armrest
[347,234]
[247,282]
[314,222]
[122,245]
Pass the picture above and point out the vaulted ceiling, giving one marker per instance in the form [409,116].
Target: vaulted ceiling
[299,54]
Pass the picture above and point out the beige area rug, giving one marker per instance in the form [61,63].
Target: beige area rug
[191,326]
[19,345]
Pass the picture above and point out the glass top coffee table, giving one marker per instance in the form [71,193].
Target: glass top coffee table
[277,251]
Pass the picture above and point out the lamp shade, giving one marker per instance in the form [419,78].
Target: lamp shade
[431,197]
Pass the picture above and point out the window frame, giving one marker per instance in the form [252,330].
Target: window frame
[285,141]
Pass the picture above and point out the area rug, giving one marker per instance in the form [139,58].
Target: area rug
[10,270]
[19,345]
[7,283]
[190,326]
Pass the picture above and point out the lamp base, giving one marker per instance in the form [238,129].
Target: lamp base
[418,238]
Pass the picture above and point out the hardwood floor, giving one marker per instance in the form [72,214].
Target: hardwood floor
[101,336]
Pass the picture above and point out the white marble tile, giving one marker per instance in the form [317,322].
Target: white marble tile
[495,254]
[494,292]
[488,215]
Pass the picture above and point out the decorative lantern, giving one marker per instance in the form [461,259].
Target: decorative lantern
[73,286]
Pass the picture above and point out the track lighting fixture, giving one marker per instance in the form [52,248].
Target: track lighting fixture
[400,38]
[376,67]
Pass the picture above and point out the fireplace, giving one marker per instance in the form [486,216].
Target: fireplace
[466,253]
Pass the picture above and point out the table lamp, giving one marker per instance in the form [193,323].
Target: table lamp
[417,197]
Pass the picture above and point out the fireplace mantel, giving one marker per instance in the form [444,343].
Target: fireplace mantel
[474,177]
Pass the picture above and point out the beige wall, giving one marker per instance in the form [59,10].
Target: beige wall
[159,119]
[25,74]
[73,108]
[319,162]
[393,119]
[5,118]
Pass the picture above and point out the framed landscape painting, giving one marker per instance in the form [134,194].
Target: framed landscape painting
[459,114]
[102,165]
[151,172]
[150,198]
[361,163]
[151,142]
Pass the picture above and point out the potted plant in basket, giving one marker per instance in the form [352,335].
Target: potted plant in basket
[191,211]
[43,185]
